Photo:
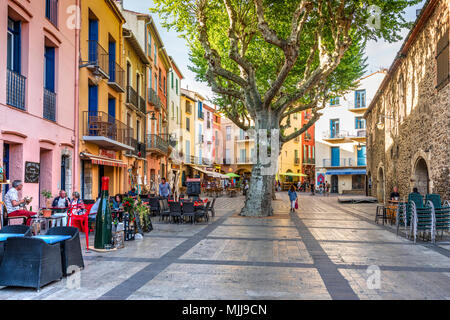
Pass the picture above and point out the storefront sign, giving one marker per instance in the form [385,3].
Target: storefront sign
[107,153]
[32,172]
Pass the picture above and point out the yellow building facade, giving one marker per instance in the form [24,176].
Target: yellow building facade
[290,160]
[136,63]
[103,135]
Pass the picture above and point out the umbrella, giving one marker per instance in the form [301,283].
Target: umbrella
[232,175]
[290,174]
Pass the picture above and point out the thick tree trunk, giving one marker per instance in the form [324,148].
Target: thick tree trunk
[261,191]
[259,197]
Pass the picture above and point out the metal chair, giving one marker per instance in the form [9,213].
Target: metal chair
[164,212]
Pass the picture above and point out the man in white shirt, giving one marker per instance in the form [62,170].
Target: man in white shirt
[13,203]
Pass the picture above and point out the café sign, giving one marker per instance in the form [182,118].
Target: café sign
[32,170]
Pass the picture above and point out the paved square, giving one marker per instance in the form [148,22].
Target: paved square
[321,252]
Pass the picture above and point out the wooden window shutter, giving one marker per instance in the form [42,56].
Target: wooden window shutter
[443,60]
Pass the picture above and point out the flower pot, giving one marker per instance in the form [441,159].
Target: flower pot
[46,213]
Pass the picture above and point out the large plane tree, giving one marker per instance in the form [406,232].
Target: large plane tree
[268,59]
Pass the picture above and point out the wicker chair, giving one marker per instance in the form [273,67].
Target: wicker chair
[25,230]
[71,255]
[30,262]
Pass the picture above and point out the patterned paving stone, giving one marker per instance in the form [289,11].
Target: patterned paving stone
[184,281]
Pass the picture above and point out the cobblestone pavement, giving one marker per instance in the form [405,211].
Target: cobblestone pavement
[325,251]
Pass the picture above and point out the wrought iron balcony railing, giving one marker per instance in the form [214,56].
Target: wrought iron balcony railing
[153,99]
[116,76]
[297,161]
[49,105]
[15,89]
[142,104]
[100,124]
[342,162]
[139,149]
[51,11]
[132,97]
[98,57]
[157,143]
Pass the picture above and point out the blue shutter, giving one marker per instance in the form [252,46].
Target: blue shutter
[362,156]
[112,61]
[93,100]
[335,156]
[93,38]
[111,109]
[50,69]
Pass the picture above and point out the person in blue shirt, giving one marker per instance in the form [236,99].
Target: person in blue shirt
[292,197]
[164,189]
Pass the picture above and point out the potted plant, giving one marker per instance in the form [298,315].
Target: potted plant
[47,195]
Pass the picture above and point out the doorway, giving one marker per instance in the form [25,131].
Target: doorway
[334,184]
[421,176]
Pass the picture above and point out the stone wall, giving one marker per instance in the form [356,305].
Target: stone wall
[418,119]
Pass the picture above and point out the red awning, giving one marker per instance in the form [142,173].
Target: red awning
[104,161]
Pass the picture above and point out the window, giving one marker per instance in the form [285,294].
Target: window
[171,79]
[334,101]
[178,114]
[154,53]
[334,128]
[176,86]
[228,130]
[112,61]
[51,11]
[360,123]
[13,46]
[164,85]
[360,98]
[138,130]
[217,138]
[442,61]
[49,78]
[159,78]
[188,124]
[156,82]
[200,110]
[149,47]
[173,110]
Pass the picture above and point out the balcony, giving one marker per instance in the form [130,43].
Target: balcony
[309,161]
[242,160]
[341,163]
[297,161]
[15,90]
[142,105]
[116,77]
[98,59]
[138,151]
[227,161]
[207,162]
[132,97]
[358,109]
[49,105]
[359,135]
[154,100]
[157,144]
[105,131]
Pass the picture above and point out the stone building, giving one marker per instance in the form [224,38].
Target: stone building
[408,121]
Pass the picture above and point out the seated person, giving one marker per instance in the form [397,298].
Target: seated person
[13,203]
[117,202]
[415,190]
[62,201]
[394,194]
[76,201]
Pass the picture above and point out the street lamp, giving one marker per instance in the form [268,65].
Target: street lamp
[380,124]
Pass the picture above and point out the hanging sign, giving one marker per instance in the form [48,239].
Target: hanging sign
[32,172]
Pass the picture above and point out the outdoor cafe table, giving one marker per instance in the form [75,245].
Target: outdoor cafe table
[5,236]
[55,217]
[391,210]
[52,239]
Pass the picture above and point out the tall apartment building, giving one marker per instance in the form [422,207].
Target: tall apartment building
[340,138]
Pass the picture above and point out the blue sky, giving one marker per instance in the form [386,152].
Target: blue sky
[380,54]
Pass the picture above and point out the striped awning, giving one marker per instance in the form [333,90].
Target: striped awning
[345,172]
[103,161]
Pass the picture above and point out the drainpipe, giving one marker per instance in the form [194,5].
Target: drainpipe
[75,157]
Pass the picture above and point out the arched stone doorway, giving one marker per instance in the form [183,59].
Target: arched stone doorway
[421,177]
[380,185]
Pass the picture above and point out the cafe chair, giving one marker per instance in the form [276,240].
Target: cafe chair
[165,210]
[175,211]
[80,221]
[154,205]
[18,220]
[189,211]
[17,229]
[442,213]
[71,255]
[30,262]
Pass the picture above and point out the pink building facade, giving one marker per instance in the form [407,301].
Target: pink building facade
[38,95]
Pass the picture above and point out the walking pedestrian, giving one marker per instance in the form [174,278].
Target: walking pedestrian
[328,188]
[292,197]
[312,187]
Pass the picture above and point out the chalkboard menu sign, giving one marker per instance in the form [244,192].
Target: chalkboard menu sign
[31,172]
